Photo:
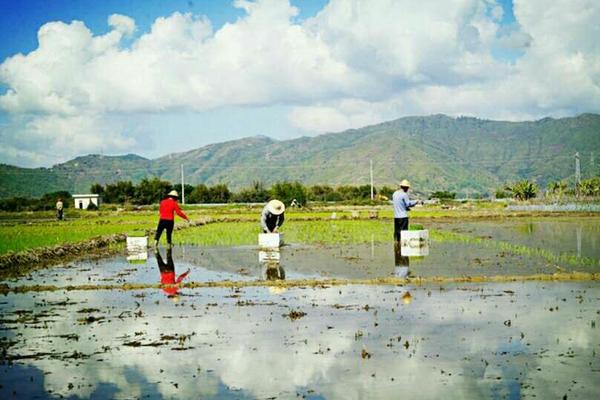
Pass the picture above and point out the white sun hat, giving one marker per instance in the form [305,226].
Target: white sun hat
[405,183]
[275,207]
[173,193]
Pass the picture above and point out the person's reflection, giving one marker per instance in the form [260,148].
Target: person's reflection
[167,275]
[271,266]
[401,262]
[274,271]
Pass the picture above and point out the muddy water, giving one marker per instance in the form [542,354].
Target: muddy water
[365,261]
[475,341]
[573,236]
[493,340]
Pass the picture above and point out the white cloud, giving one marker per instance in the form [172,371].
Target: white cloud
[42,138]
[122,23]
[557,75]
[391,57]
[453,330]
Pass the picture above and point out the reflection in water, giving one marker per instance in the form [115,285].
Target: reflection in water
[579,241]
[167,275]
[274,272]
[564,235]
[270,261]
[527,228]
[401,262]
[464,342]
[137,257]
[402,253]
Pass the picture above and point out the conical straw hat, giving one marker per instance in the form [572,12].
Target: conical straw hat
[275,207]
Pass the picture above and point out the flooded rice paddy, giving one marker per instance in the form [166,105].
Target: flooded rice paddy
[476,340]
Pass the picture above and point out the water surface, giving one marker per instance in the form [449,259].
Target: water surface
[476,341]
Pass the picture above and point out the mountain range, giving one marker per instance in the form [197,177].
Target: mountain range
[465,155]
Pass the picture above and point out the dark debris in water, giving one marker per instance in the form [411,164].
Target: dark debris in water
[294,315]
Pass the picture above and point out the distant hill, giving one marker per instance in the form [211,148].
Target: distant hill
[434,152]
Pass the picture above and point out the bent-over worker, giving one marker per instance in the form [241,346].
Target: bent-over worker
[272,216]
[402,205]
[168,208]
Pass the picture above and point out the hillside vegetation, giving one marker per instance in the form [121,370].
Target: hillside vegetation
[463,155]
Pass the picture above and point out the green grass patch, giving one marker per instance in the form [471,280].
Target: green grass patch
[29,236]
[326,232]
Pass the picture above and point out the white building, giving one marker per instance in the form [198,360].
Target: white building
[82,201]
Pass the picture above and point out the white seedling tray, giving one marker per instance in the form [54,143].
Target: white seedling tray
[137,244]
[414,239]
[141,256]
[270,240]
[269,256]
[414,251]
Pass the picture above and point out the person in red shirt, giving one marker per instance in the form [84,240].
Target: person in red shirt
[167,275]
[168,208]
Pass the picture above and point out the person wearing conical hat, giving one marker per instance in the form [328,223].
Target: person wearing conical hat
[402,205]
[59,209]
[168,208]
[272,216]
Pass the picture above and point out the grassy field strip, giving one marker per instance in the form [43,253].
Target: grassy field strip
[233,229]
[558,277]
[309,232]
[21,237]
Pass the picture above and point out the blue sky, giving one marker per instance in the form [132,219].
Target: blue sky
[20,20]
[153,77]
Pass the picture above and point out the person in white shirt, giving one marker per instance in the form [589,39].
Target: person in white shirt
[272,216]
[402,205]
[59,210]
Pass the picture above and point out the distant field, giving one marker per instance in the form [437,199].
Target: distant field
[24,231]
[235,225]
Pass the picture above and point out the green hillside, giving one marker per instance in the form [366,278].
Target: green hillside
[435,152]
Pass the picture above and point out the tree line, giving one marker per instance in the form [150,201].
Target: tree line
[152,191]
[525,190]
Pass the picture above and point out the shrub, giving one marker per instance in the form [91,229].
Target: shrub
[501,193]
[119,192]
[386,191]
[443,195]
[254,194]
[589,187]
[524,190]
[288,191]
[558,188]
[151,191]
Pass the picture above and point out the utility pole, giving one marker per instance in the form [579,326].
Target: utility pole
[182,187]
[371,162]
[577,173]
[577,169]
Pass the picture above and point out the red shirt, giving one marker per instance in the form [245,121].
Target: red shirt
[168,278]
[167,209]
